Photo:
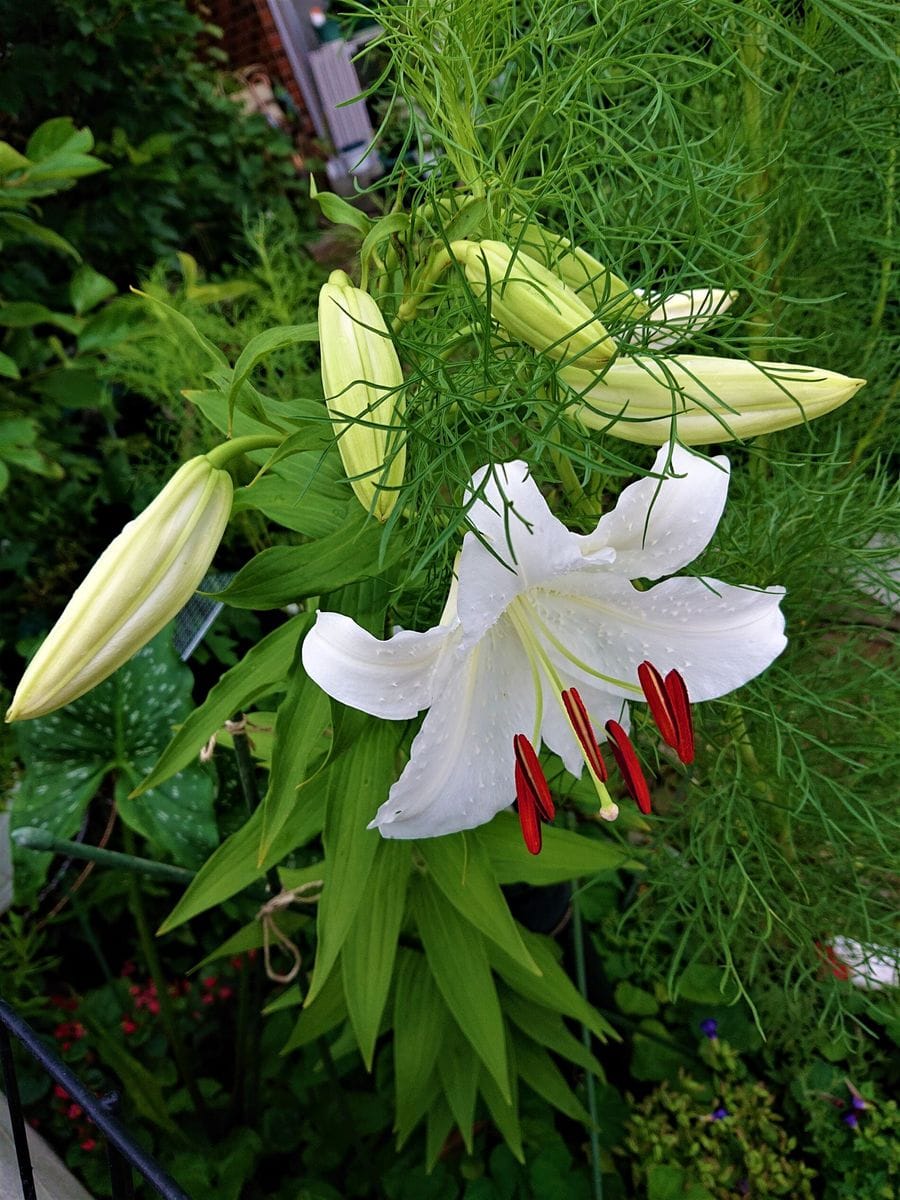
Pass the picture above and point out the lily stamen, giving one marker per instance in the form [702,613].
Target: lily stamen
[684,722]
[533,775]
[528,814]
[627,761]
[584,731]
[659,702]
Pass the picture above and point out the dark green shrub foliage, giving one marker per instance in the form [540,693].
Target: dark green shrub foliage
[186,163]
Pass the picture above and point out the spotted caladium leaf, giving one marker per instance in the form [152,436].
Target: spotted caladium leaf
[115,732]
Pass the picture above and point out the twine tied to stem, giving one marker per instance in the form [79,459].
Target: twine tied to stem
[271,930]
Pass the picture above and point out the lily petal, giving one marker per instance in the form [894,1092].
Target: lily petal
[519,541]
[661,524]
[676,316]
[461,767]
[716,635]
[394,679]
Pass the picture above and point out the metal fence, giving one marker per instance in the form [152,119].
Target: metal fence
[122,1153]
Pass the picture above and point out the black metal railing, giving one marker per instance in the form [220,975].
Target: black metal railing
[122,1152]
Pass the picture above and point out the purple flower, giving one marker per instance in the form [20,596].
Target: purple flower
[720,1113]
[850,1119]
[858,1102]
[710,1027]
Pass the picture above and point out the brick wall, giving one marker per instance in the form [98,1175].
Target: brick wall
[250,37]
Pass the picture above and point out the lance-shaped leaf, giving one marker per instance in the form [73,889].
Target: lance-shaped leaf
[459,1069]
[368,954]
[555,990]
[459,962]
[546,1027]
[259,672]
[235,864]
[358,780]
[321,1016]
[283,574]
[564,855]
[540,1072]
[420,1021]
[460,867]
[504,1109]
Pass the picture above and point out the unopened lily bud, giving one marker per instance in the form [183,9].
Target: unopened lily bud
[594,283]
[361,378]
[703,399]
[534,305]
[680,314]
[137,585]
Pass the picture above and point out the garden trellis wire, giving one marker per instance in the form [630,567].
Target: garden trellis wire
[122,1152]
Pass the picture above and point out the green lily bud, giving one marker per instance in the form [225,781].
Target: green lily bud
[710,399]
[596,284]
[361,376]
[534,305]
[139,582]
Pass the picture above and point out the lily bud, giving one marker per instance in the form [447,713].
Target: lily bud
[361,376]
[594,283]
[534,305]
[644,399]
[680,314]
[139,582]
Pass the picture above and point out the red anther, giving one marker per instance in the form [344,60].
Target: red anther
[627,761]
[684,724]
[584,731]
[528,815]
[533,774]
[659,702]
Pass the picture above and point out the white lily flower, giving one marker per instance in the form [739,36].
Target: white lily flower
[537,609]
[870,967]
[676,316]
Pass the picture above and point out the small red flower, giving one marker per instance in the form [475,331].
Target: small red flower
[89,1144]
[60,1092]
[129,1026]
[73,1112]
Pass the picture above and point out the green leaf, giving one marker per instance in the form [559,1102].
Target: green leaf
[359,780]
[393,222]
[185,326]
[284,574]
[234,865]
[504,1110]
[458,960]
[88,288]
[69,752]
[338,211]
[59,133]
[260,671]
[543,1076]
[308,493]
[458,1070]
[141,1085]
[300,743]
[251,937]
[564,855]
[38,233]
[22,314]
[11,160]
[634,1001]
[460,867]
[440,1122]
[546,1027]
[555,990]
[319,1017]
[371,945]
[8,367]
[705,984]
[420,1023]
[260,347]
